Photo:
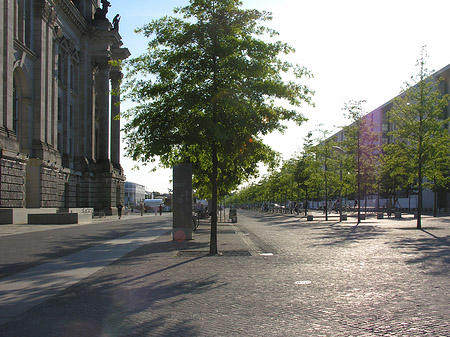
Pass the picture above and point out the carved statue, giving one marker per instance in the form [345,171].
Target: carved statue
[116,22]
[100,13]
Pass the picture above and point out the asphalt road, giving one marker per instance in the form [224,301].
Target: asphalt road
[22,247]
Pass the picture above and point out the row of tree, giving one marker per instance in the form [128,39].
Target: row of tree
[213,82]
[414,155]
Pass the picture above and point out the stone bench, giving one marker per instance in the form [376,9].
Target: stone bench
[311,217]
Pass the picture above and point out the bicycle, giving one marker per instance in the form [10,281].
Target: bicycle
[195,222]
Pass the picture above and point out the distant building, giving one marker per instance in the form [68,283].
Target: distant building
[134,194]
[59,141]
[378,119]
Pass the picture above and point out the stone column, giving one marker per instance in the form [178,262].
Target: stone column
[7,63]
[83,131]
[102,103]
[116,77]
[44,106]
[3,24]
[51,118]
[182,202]
[54,120]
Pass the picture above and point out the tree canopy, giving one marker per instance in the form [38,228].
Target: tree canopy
[206,91]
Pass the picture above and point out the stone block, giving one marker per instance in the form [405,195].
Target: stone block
[53,218]
[6,216]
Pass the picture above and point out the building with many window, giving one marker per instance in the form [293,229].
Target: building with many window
[380,124]
[59,141]
[134,194]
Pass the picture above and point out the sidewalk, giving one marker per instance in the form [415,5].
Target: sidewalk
[6,230]
[276,276]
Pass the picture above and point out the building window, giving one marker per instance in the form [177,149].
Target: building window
[15,109]
[72,74]
[60,67]
[60,124]
[28,18]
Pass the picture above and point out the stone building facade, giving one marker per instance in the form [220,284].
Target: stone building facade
[59,140]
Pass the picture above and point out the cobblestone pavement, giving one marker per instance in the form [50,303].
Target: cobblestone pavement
[276,276]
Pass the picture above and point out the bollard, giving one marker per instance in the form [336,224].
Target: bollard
[233,215]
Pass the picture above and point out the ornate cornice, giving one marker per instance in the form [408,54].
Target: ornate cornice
[73,14]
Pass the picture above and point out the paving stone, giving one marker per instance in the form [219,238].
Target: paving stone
[379,278]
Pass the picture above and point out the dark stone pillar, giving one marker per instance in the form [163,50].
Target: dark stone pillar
[182,202]
[102,100]
[116,77]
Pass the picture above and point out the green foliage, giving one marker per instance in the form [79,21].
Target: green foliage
[397,171]
[362,150]
[421,128]
[207,90]
[207,81]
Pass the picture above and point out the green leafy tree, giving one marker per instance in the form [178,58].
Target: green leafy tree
[207,90]
[304,169]
[396,170]
[362,147]
[420,126]
[327,160]
[439,170]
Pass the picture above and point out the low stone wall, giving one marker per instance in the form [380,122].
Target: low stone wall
[6,216]
[19,216]
[53,219]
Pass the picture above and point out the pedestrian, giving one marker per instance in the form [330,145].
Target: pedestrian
[119,210]
[160,210]
[389,208]
[142,208]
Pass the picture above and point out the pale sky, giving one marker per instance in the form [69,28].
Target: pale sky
[356,49]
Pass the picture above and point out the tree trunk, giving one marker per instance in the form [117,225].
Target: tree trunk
[358,175]
[213,240]
[419,201]
[306,201]
[435,196]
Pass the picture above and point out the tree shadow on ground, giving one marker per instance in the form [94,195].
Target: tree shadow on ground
[108,303]
[339,235]
[432,253]
[100,306]
[276,219]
